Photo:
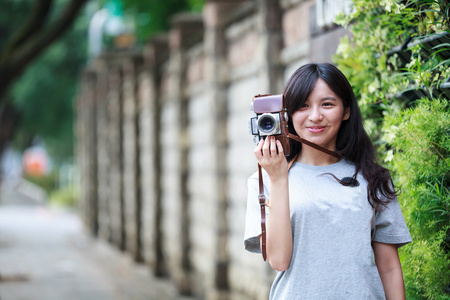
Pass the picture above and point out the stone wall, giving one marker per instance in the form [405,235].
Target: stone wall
[163,145]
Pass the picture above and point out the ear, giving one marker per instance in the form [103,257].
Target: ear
[346,114]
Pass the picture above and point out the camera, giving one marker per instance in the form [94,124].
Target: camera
[271,119]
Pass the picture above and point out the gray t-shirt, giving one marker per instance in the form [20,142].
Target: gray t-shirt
[333,227]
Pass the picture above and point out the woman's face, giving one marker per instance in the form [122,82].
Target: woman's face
[320,118]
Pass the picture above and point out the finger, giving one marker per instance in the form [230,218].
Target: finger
[273,145]
[280,148]
[260,144]
[258,150]
[266,147]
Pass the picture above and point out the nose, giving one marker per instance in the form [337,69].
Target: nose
[315,114]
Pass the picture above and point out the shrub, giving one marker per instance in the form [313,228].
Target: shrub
[421,139]
[47,182]
[66,197]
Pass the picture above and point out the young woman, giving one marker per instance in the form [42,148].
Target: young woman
[333,225]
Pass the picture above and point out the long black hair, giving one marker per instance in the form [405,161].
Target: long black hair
[353,143]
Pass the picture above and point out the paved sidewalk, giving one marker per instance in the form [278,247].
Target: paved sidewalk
[44,254]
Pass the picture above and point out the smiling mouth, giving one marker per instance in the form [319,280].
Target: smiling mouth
[316,129]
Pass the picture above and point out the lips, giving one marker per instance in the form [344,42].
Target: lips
[316,129]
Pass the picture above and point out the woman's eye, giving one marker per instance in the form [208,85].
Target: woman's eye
[327,104]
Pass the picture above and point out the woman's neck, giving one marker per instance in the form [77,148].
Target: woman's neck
[314,157]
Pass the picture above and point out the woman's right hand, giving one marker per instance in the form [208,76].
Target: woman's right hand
[270,155]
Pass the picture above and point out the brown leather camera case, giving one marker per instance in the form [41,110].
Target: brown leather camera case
[274,104]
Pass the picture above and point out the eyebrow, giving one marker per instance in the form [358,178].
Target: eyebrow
[328,98]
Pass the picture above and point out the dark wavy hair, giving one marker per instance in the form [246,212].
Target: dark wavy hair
[353,143]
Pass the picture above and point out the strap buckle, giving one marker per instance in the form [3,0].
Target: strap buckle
[262,199]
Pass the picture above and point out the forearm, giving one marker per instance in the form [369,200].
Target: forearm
[390,270]
[279,231]
[393,284]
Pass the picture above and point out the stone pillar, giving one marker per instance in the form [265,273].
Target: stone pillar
[255,30]
[271,39]
[84,93]
[214,16]
[115,142]
[87,152]
[79,144]
[104,220]
[131,171]
[155,53]
[175,146]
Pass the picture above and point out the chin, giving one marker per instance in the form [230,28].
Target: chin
[321,142]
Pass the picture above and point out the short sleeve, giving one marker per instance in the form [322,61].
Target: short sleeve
[390,226]
[253,216]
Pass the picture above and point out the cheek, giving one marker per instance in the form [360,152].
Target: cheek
[296,117]
[297,120]
[335,116]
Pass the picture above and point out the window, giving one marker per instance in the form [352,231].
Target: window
[326,11]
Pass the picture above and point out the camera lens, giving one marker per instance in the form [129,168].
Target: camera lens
[266,123]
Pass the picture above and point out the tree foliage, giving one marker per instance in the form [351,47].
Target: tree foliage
[47,84]
[45,93]
[153,16]
[403,83]
[34,33]
[39,71]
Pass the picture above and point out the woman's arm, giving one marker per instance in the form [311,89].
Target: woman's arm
[390,270]
[270,156]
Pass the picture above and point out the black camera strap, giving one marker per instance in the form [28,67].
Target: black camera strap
[262,196]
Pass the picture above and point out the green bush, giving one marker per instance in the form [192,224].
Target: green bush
[47,182]
[66,197]
[412,136]
[421,139]
[62,196]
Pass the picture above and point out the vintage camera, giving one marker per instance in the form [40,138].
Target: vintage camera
[271,119]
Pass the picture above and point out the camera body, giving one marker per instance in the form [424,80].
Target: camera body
[271,119]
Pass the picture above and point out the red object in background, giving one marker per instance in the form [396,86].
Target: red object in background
[35,162]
